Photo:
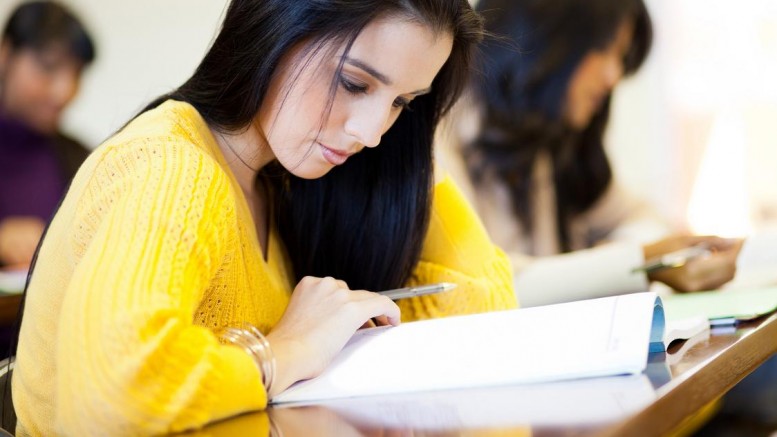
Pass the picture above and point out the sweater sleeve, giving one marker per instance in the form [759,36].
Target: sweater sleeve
[458,250]
[151,232]
[604,270]
[614,228]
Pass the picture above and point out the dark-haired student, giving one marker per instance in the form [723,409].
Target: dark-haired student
[217,249]
[43,51]
[531,154]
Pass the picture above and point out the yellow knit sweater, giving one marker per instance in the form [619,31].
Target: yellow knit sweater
[153,248]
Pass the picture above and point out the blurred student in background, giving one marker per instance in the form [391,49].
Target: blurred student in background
[530,152]
[43,53]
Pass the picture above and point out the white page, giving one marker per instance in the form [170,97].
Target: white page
[675,357]
[585,401]
[597,337]
[682,329]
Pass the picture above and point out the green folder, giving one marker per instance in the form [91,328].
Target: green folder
[723,306]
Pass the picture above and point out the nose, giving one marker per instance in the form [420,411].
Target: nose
[613,72]
[366,124]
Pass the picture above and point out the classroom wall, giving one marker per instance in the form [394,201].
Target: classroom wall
[144,47]
[639,140]
[695,130]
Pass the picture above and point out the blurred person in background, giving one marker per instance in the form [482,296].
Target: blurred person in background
[43,53]
[529,151]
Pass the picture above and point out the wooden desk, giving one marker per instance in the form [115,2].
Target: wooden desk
[676,385]
[9,306]
[12,279]
[704,374]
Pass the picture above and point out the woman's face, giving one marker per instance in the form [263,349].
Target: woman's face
[390,63]
[595,77]
[38,85]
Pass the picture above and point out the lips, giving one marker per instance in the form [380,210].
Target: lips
[334,157]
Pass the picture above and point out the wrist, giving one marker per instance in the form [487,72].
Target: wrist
[256,345]
[289,363]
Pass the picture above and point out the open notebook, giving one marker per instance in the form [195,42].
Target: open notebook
[590,338]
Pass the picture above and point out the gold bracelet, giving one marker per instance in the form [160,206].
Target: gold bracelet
[255,344]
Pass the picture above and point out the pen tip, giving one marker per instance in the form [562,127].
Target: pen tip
[448,286]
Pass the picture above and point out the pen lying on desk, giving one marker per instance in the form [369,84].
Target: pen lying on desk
[677,258]
[401,293]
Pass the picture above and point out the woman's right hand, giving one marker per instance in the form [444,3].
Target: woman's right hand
[322,315]
[702,273]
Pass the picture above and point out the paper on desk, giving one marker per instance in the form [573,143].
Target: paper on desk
[683,329]
[676,356]
[12,281]
[598,337]
[730,305]
[569,403]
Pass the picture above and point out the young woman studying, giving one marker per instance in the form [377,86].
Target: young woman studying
[531,154]
[218,248]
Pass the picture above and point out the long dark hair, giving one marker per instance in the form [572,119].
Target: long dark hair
[365,221]
[521,91]
[40,24]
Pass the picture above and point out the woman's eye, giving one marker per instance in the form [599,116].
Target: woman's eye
[352,87]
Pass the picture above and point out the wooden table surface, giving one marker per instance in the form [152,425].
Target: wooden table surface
[704,373]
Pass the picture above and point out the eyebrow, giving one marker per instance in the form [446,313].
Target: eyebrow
[382,78]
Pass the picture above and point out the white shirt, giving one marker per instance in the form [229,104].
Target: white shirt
[606,240]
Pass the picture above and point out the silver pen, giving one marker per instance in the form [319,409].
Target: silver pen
[401,293]
[674,259]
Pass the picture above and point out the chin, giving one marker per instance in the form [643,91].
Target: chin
[45,127]
[309,168]
[307,172]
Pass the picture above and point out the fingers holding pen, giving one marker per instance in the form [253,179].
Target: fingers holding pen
[362,302]
[711,271]
[678,242]
[322,315]
[706,272]
[374,306]
[712,264]
[383,321]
